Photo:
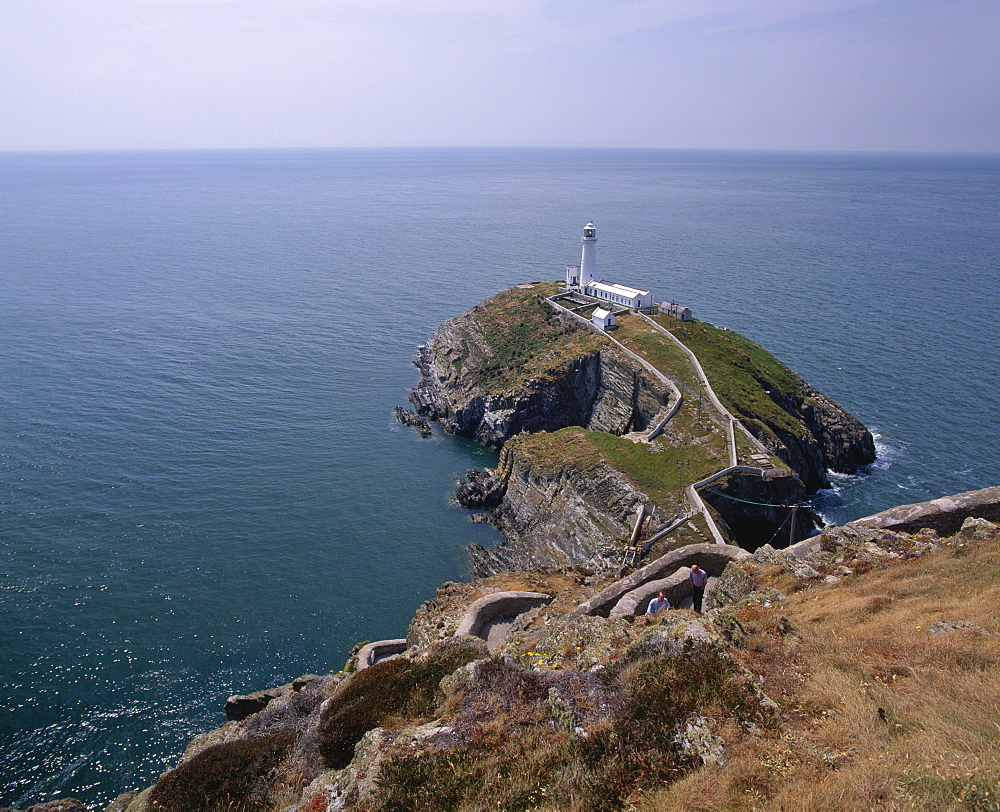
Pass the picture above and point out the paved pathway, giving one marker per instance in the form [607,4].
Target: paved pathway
[733,422]
[729,420]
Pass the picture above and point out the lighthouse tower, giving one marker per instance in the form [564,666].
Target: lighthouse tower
[588,262]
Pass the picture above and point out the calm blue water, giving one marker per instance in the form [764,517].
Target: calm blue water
[202,491]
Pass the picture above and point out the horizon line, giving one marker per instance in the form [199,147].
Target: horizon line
[860,151]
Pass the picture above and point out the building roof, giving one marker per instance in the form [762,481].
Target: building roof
[601,313]
[621,290]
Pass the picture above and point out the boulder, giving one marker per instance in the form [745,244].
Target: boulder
[945,515]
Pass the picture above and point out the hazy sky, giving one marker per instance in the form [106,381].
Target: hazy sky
[804,74]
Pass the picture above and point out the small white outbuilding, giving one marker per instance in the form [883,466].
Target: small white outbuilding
[603,319]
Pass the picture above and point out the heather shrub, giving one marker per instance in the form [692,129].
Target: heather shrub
[657,696]
[425,675]
[399,687]
[361,704]
[500,691]
[514,772]
[235,776]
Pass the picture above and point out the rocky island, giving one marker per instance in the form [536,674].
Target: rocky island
[854,668]
[575,412]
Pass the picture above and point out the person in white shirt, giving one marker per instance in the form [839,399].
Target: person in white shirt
[658,603]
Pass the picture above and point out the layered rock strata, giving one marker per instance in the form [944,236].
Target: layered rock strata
[554,516]
[601,390]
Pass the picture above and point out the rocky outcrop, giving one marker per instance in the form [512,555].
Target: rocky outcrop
[240,707]
[409,418]
[599,388]
[832,439]
[481,489]
[944,515]
[845,443]
[558,515]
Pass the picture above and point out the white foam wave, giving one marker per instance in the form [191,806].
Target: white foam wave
[885,451]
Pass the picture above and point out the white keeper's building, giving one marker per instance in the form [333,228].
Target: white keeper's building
[603,319]
[583,277]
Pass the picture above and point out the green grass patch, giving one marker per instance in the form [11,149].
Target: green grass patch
[656,348]
[746,378]
[653,467]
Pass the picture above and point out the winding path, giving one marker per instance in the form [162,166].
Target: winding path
[733,422]
[726,416]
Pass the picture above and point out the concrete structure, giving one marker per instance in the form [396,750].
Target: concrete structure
[677,588]
[603,319]
[491,617]
[710,557]
[676,310]
[372,653]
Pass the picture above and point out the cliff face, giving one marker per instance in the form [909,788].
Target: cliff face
[745,508]
[832,439]
[599,389]
[557,513]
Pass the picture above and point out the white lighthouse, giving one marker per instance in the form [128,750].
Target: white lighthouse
[588,261]
[583,279]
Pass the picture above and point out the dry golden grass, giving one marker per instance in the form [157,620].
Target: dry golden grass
[881,713]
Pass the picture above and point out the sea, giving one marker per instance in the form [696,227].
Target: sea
[203,491]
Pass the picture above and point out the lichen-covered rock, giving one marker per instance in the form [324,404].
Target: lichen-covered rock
[61,805]
[696,741]
[676,636]
[978,529]
[581,643]
[945,515]
[946,626]
[734,585]
[800,569]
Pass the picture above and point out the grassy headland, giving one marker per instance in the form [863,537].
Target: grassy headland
[516,338]
[656,468]
[747,379]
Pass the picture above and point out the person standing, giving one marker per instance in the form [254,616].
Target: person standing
[658,603]
[698,577]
